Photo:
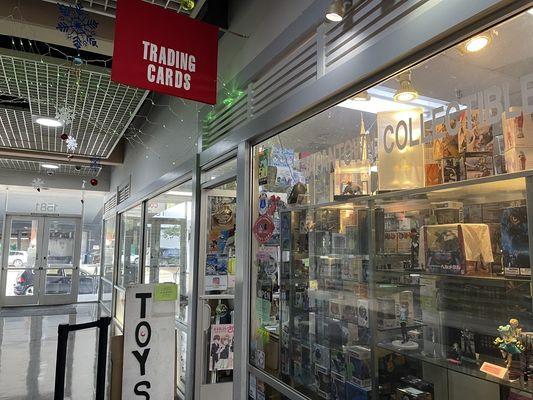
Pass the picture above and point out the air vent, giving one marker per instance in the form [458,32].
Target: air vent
[110,204]
[14,102]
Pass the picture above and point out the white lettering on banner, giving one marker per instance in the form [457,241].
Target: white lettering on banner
[174,68]
[490,104]
[148,371]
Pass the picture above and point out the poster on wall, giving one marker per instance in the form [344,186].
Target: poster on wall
[149,340]
[221,347]
[163,51]
[400,162]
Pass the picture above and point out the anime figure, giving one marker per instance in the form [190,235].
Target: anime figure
[352,189]
[415,244]
[404,316]
[509,341]
[467,345]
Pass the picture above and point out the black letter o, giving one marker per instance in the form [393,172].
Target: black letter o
[138,328]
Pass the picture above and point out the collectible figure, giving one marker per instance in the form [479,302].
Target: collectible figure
[404,315]
[510,344]
[468,349]
[454,354]
[352,189]
[415,245]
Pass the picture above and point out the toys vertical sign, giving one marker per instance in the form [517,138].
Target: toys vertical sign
[160,50]
[149,342]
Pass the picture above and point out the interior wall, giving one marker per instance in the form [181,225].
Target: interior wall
[165,137]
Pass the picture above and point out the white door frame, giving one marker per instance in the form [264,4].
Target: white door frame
[206,390]
[39,297]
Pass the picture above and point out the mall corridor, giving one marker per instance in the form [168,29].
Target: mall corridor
[28,343]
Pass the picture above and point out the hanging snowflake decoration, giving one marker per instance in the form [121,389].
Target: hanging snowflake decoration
[37,184]
[95,165]
[76,23]
[65,115]
[72,143]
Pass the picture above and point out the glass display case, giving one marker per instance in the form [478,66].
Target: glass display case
[390,235]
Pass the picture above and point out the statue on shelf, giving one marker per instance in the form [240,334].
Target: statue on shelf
[510,344]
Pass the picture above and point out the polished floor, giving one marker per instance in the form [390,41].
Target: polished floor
[28,344]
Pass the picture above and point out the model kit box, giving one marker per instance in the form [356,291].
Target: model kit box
[517,130]
[476,135]
[338,362]
[322,382]
[358,366]
[477,165]
[518,159]
[451,170]
[456,249]
[321,356]
[515,241]
[362,313]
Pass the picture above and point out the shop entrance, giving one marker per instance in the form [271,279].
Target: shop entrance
[217,287]
[40,260]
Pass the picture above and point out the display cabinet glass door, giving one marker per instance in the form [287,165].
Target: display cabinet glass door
[42,264]
[216,292]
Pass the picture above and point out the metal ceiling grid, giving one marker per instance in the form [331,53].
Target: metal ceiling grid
[23,165]
[108,7]
[103,109]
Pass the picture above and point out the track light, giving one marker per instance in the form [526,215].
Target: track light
[337,9]
[361,96]
[406,92]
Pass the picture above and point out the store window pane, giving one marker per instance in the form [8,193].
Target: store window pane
[109,248]
[120,302]
[259,390]
[167,241]
[129,246]
[181,359]
[390,234]
[106,293]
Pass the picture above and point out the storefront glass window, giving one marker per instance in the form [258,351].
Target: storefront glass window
[167,241]
[390,246]
[129,246]
[109,249]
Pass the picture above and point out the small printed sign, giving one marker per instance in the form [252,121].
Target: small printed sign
[494,370]
[263,228]
[166,292]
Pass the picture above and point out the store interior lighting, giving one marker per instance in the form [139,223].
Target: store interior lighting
[50,166]
[361,96]
[406,92]
[477,43]
[337,9]
[48,122]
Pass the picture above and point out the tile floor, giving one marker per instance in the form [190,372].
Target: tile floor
[28,344]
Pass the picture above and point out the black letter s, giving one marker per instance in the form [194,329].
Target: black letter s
[142,392]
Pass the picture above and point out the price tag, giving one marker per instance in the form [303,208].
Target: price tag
[494,370]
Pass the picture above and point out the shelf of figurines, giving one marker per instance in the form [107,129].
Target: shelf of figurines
[518,376]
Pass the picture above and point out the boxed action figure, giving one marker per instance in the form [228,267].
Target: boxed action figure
[477,165]
[515,241]
[386,313]
[410,393]
[338,390]
[518,159]
[476,137]
[518,130]
[456,249]
[358,366]
[354,392]
[451,170]
[322,382]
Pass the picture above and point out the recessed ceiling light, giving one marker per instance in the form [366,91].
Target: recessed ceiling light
[477,43]
[530,11]
[49,122]
[50,166]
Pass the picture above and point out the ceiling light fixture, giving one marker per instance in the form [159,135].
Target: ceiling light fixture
[49,122]
[50,166]
[530,11]
[406,92]
[361,96]
[337,9]
[477,43]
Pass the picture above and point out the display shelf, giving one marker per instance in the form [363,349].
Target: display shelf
[450,276]
[465,368]
[410,325]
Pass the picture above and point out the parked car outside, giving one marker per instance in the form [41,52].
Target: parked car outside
[56,283]
[17,258]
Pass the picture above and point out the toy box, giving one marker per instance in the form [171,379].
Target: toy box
[456,249]
[338,387]
[515,241]
[518,130]
[358,366]
[476,137]
[410,393]
[362,313]
[354,392]
[386,313]
[518,159]
[390,244]
[322,382]
[451,170]
[477,165]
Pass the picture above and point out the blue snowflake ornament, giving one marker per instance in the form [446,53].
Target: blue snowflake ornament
[76,23]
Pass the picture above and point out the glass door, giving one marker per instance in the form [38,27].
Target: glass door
[21,260]
[217,291]
[61,256]
[41,265]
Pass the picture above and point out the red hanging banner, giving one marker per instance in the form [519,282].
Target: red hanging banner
[163,51]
